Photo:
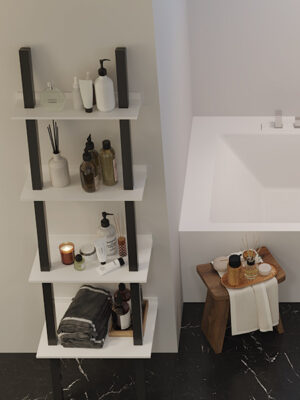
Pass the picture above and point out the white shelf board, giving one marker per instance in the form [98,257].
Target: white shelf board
[61,273]
[68,113]
[74,191]
[113,347]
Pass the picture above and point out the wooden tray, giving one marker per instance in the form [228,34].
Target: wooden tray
[244,282]
[129,332]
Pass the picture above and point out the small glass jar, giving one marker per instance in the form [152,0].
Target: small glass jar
[251,271]
[88,251]
[79,264]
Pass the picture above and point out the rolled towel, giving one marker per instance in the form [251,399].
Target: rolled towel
[85,322]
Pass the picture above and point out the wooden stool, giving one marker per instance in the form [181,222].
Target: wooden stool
[217,305]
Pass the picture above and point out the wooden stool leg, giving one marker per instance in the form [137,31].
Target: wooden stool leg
[214,322]
[279,327]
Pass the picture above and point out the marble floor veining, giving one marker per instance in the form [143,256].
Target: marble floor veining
[255,366]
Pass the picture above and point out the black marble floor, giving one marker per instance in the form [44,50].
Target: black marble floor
[256,366]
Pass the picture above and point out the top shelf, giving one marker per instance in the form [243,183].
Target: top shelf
[68,113]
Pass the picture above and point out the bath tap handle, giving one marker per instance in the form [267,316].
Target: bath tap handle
[278,119]
[297,122]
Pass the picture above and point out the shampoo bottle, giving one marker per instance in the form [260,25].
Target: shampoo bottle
[88,173]
[124,292]
[108,164]
[104,88]
[121,314]
[90,147]
[109,231]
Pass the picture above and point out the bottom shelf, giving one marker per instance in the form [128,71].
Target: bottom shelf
[114,347]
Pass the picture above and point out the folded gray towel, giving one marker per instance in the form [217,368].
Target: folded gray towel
[85,322]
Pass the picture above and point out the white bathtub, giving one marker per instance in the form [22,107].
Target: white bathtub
[242,175]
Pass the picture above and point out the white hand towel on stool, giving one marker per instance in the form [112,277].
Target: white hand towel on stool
[254,307]
[243,310]
[266,295]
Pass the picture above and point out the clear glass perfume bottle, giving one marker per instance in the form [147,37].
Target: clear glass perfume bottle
[52,98]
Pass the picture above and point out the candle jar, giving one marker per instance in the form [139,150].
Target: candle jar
[67,253]
[251,271]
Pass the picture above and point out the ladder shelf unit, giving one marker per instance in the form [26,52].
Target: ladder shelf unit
[47,268]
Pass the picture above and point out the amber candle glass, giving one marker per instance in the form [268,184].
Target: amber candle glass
[67,253]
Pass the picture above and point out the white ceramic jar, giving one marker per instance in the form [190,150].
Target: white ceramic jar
[59,171]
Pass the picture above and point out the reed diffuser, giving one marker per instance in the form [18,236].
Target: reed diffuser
[58,165]
[121,238]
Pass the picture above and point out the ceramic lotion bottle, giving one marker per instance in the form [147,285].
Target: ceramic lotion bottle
[108,230]
[104,88]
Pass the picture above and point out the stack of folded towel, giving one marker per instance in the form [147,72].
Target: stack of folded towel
[85,322]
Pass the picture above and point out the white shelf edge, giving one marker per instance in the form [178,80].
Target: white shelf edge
[113,347]
[74,191]
[68,275]
[68,113]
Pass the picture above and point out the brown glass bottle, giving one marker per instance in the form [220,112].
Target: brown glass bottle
[108,164]
[90,147]
[88,173]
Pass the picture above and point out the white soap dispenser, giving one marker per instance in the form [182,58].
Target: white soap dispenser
[104,88]
[108,230]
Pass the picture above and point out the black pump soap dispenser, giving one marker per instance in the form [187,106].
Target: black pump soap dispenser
[88,173]
[104,89]
[107,230]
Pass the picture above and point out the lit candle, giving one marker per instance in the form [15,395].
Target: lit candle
[67,253]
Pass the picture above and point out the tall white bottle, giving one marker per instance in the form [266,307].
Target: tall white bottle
[104,88]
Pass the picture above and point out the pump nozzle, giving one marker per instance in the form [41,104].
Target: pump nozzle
[89,143]
[102,71]
[105,221]
[104,214]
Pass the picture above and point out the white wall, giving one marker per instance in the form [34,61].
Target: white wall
[66,38]
[173,68]
[244,56]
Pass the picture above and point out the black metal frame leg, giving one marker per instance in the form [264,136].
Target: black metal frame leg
[55,366]
[137,314]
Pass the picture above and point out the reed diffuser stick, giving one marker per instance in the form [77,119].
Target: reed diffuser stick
[51,138]
[54,137]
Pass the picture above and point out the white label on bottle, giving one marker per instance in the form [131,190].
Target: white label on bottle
[125,321]
[115,170]
[111,247]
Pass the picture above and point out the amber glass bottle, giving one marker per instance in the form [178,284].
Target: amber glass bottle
[108,164]
[88,173]
[90,147]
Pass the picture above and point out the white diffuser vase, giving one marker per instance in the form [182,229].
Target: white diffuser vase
[59,171]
